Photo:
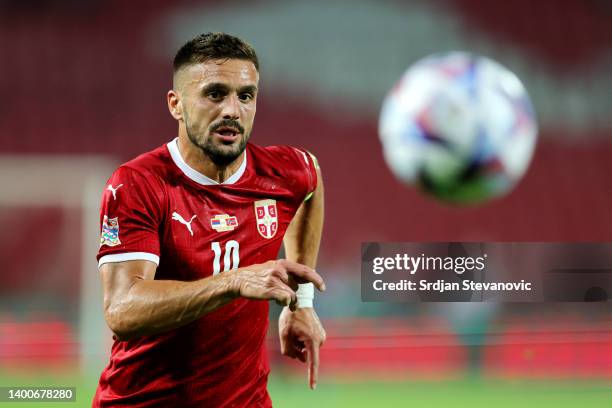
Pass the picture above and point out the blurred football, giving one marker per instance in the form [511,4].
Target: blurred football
[458,126]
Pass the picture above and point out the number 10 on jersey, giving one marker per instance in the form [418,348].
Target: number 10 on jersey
[231,256]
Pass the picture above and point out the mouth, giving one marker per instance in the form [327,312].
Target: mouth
[227,133]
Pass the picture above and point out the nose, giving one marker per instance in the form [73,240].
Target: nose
[231,107]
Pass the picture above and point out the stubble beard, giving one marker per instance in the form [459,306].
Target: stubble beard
[220,155]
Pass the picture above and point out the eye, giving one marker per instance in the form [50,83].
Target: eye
[217,95]
[214,95]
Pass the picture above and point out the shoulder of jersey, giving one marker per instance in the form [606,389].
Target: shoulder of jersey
[155,162]
[280,157]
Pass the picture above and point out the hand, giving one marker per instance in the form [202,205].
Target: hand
[301,336]
[276,280]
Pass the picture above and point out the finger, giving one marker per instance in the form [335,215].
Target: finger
[282,273]
[292,282]
[287,349]
[281,303]
[300,353]
[304,274]
[282,285]
[313,367]
[282,296]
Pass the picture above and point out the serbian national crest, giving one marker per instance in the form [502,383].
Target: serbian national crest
[110,232]
[266,217]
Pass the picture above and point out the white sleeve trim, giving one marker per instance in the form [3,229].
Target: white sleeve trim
[128,256]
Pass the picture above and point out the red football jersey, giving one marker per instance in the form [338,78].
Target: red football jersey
[157,208]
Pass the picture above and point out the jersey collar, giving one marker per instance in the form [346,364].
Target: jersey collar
[196,175]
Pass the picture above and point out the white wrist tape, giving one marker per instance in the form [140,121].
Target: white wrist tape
[305,295]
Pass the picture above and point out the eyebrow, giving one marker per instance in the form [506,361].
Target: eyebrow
[215,86]
[220,87]
[248,88]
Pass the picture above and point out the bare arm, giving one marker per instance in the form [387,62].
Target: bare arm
[136,305]
[301,332]
[303,236]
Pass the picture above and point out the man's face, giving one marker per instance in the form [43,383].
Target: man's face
[219,99]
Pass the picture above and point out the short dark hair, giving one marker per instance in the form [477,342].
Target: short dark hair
[209,46]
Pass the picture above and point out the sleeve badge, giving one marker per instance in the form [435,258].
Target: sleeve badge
[110,232]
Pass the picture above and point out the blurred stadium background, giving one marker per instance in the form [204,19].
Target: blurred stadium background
[83,85]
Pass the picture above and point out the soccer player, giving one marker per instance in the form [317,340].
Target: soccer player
[190,236]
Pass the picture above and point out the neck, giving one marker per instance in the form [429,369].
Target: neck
[200,162]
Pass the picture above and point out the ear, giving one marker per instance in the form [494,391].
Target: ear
[175,105]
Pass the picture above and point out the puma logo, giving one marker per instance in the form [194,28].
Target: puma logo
[176,216]
[114,190]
